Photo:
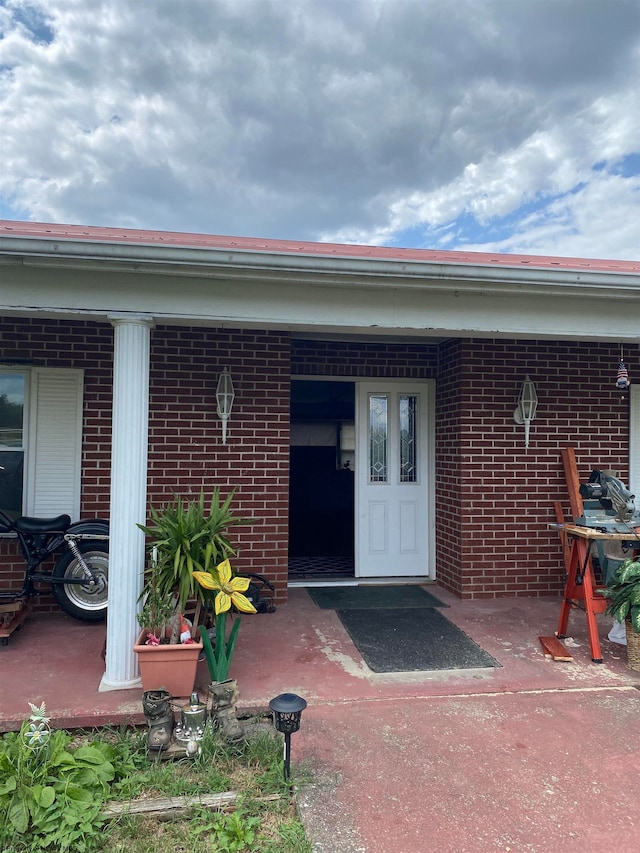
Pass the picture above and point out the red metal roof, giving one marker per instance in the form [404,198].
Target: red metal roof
[91,233]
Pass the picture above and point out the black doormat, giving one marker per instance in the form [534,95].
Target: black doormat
[368,597]
[412,639]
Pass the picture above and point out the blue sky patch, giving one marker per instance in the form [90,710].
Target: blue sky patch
[35,22]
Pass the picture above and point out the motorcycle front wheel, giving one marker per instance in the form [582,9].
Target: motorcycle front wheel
[86,601]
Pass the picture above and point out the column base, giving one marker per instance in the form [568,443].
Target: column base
[106,685]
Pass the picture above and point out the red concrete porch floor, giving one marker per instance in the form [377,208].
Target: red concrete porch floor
[535,756]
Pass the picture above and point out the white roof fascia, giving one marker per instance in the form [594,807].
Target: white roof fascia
[332,270]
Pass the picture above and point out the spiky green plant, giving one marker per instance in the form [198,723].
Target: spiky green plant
[183,531]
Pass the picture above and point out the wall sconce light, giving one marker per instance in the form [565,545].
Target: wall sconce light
[526,409]
[287,709]
[224,398]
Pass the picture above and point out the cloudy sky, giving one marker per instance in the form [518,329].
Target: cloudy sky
[490,125]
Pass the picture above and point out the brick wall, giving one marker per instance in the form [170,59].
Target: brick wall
[185,448]
[186,453]
[507,492]
[390,360]
[494,498]
[64,343]
[449,490]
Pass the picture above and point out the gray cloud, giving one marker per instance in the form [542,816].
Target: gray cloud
[343,119]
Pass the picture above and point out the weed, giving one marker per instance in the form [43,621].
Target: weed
[292,835]
[112,763]
[51,794]
[228,833]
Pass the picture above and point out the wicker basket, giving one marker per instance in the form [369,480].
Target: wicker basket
[633,647]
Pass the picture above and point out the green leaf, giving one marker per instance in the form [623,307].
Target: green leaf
[89,754]
[621,611]
[18,813]
[208,653]
[9,785]
[221,648]
[233,638]
[47,797]
[78,794]
[627,571]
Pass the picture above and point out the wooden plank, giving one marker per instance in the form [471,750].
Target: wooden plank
[564,539]
[573,482]
[7,628]
[579,532]
[13,606]
[554,648]
[169,806]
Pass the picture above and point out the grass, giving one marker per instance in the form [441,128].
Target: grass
[264,819]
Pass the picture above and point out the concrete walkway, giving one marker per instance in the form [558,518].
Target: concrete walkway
[536,756]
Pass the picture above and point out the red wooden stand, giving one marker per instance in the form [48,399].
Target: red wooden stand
[580,589]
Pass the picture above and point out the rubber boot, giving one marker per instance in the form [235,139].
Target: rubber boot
[224,696]
[159,716]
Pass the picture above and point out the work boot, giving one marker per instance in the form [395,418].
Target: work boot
[159,716]
[224,696]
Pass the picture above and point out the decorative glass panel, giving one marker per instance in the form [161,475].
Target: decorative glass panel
[378,415]
[12,389]
[408,471]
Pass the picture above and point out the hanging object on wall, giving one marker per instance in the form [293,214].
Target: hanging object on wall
[526,408]
[224,397]
[622,380]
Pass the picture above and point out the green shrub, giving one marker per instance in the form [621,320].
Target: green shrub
[51,794]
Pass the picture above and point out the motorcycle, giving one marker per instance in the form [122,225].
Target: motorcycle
[80,574]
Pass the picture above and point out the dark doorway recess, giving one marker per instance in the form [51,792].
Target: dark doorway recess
[321,489]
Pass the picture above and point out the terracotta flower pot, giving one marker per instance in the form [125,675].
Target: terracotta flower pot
[172,667]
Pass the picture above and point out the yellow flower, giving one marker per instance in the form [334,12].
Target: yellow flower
[229,589]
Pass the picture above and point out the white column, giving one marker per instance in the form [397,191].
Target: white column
[130,428]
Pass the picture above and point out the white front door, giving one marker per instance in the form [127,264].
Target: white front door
[394,486]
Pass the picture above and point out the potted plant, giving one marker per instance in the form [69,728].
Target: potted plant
[167,653]
[184,532]
[184,537]
[224,690]
[623,594]
[158,609]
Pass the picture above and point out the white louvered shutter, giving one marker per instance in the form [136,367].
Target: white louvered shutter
[55,443]
[634,444]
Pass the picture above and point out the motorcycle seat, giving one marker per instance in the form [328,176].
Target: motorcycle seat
[59,524]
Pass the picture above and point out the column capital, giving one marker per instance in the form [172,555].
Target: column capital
[123,318]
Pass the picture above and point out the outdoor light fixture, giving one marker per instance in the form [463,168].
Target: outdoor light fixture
[526,409]
[287,709]
[224,397]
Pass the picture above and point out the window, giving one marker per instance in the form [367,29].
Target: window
[378,412]
[40,441]
[408,469]
[12,434]
[393,439]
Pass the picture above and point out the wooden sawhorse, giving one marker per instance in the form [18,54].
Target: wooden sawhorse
[580,589]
